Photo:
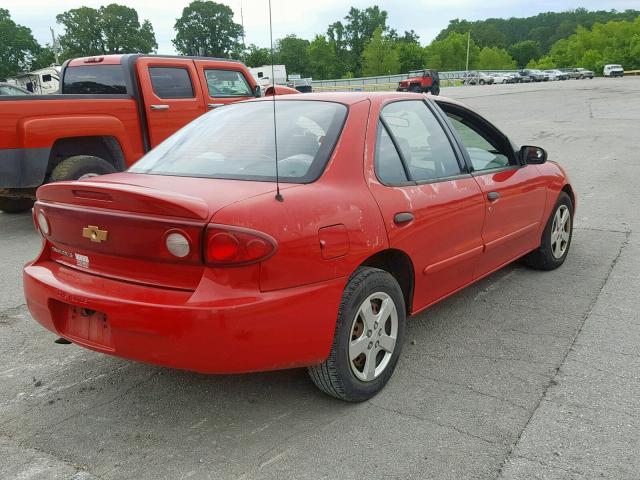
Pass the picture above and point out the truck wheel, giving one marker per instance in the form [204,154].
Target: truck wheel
[435,90]
[367,340]
[15,205]
[416,89]
[74,168]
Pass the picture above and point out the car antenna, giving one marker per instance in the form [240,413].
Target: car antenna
[279,197]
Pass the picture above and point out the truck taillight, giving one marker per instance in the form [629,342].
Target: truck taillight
[228,246]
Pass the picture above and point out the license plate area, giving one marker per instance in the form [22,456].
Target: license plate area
[84,326]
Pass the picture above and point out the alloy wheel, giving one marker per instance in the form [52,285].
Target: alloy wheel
[560,231]
[373,336]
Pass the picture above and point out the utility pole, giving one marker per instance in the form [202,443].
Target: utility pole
[244,46]
[54,46]
[468,43]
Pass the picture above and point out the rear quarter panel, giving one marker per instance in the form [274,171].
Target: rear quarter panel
[339,197]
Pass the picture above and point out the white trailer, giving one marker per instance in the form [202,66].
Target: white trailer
[44,81]
[263,75]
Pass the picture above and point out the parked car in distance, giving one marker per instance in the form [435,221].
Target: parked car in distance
[572,72]
[112,110]
[386,204]
[477,78]
[557,74]
[584,73]
[521,77]
[536,75]
[8,89]
[421,81]
[500,78]
[613,70]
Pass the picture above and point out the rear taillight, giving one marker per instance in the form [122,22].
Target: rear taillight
[177,244]
[231,246]
[41,221]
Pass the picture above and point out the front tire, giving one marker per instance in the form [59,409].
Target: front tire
[416,89]
[556,238]
[368,338]
[81,166]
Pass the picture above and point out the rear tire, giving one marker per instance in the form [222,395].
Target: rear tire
[556,238]
[368,338]
[435,90]
[15,205]
[74,168]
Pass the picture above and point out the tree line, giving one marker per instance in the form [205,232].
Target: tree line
[360,44]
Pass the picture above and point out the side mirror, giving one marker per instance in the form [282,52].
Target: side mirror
[530,155]
[257,92]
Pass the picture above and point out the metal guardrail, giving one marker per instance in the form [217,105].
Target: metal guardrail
[391,79]
[632,72]
[374,87]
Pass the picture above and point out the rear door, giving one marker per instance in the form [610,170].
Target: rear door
[224,82]
[171,93]
[432,209]
[514,194]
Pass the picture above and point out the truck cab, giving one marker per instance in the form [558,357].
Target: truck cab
[109,112]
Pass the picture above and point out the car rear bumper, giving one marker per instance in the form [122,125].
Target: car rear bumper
[246,331]
[23,167]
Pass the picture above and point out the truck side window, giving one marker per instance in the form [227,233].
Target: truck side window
[227,83]
[171,82]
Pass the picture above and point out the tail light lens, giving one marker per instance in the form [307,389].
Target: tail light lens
[177,244]
[232,246]
[41,221]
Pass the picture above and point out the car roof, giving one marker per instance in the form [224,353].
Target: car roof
[351,98]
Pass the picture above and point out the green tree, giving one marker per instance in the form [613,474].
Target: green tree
[256,56]
[207,27]
[110,29]
[17,46]
[450,53]
[352,35]
[611,42]
[410,52]
[525,51]
[322,58]
[380,56]
[292,52]
[494,58]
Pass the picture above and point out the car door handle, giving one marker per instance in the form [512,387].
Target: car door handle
[215,105]
[403,217]
[159,107]
[493,196]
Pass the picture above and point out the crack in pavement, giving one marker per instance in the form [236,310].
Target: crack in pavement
[552,380]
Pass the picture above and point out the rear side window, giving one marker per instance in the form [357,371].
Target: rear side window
[237,142]
[171,82]
[94,79]
[388,165]
[227,83]
[424,146]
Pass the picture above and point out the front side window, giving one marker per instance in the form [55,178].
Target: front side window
[94,79]
[483,152]
[237,142]
[227,83]
[424,146]
[171,82]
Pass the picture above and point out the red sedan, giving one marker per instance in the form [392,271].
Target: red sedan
[388,203]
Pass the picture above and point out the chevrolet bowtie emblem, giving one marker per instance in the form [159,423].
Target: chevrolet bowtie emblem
[94,234]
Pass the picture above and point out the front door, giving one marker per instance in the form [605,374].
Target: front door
[172,95]
[513,193]
[433,210]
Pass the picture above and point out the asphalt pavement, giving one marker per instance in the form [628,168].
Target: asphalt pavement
[525,375]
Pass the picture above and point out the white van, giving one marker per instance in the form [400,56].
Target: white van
[613,70]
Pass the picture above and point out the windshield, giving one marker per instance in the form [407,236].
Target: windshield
[237,142]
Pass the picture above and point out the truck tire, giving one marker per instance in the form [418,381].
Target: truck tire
[74,168]
[415,89]
[15,205]
[435,90]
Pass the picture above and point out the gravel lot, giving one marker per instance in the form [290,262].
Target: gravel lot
[524,375]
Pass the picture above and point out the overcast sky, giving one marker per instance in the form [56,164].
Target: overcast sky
[304,18]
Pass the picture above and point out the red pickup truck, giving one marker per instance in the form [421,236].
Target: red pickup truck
[111,110]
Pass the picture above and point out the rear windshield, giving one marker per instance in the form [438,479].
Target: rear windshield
[94,79]
[237,142]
